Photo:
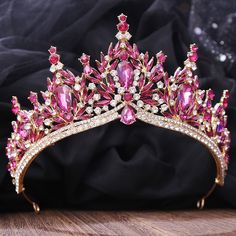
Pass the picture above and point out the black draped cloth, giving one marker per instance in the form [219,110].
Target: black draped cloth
[117,166]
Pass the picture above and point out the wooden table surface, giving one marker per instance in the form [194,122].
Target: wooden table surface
[53,222]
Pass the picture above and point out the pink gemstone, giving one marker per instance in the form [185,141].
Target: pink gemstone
[124,55]
[64,97]
[54,58]
[128,97]
[23,133]
[194,47]
[15,105]
[161,57]
[185,96]
[193,57]
[87,69]
[207,116]
[52,50]
[225,102]
[122,17]
[33,97]
[123,26]
[125,74]
[84,58]
[211,94]
[128,115]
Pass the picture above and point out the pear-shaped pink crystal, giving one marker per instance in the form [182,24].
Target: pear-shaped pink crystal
[64,97]
[128,115]
[125,73]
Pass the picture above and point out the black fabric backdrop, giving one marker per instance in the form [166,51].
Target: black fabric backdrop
[114,166]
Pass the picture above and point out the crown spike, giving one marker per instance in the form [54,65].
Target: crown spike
[123,27]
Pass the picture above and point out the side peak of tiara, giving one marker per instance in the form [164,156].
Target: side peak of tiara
[124,80]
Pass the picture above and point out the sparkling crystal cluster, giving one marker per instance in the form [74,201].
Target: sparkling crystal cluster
[124,79]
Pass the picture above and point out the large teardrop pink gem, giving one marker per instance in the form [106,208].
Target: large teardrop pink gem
[128,115]
[185,96]
[64,97]
[125,73]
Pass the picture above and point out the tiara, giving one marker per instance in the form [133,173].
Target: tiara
[125,85]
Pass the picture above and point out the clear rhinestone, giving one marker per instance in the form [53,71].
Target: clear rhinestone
[89,110]
[155,96]
[105,108]
[164,107]
[160,101]
[172,102]
[155,109]
[147,107]
[136,96]
[132,89]
[160,84]
[121,90]
[58,81]
[97,110]
[113,103]
[136,72]
[59,65]
[117,97]
[27,126]
[103,75]
[116,78]
[117,85]
[91,86]
[140,103]
[113,73]
[96,96]
[77,87]
[47,122]
[90,101]
[174,87]
[48,102]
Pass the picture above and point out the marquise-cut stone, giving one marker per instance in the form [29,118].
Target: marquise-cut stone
[64,97]
[128,115]
[185,96]
[125,73]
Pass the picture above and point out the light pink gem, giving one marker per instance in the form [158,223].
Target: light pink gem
[128,115]
[64,98]
[125,73]
[185,96]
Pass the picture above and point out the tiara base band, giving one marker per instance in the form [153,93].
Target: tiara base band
[112,115]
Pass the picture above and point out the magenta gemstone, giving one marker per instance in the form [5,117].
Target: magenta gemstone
[125,73]
[185,96]
[64,97]
[54,58]
[193,57]
[128,115]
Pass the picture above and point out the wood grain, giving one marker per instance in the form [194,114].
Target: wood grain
[206,222]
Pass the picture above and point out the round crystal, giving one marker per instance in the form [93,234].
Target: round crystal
[77,87]
[96,96]
[97,110]
[132,89]
[140,103]
[113,103]
[117,97]
[136,96]
[89,110]
[91,86]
